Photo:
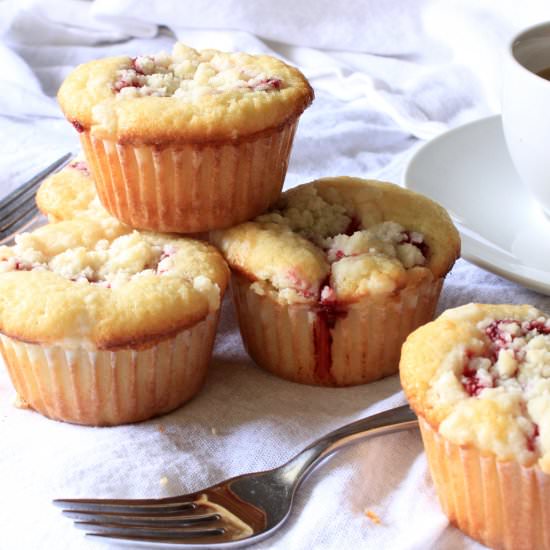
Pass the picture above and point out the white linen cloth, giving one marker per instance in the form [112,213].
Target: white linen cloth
[387,75]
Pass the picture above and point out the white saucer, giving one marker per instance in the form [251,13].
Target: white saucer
[468,170]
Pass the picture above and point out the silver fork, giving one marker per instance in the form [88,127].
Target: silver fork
[18,209]
[236,512]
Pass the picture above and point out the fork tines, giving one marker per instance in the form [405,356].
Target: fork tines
[145,520]
[18,209]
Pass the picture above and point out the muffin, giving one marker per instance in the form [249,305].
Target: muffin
[187,142]
[479,380]
[330,282]
[102,325]
[69,194]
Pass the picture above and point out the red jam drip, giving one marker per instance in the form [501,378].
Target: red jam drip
[78,127]
[328,311]
[531,439]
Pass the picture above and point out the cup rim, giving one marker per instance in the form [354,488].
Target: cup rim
[522,35]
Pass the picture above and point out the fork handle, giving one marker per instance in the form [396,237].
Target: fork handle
[392,420]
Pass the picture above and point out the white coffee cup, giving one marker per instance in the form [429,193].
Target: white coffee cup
[526,109]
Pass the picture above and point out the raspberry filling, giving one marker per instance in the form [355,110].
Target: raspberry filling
[515,360]
[81,166]
[78,127]
[331,223]
[473,383]
[328,310]
[531,440]
[504,335]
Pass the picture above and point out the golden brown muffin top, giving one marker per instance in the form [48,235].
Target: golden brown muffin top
[342,239]
[480,374]
[190,95]
[84,282]
[69,194]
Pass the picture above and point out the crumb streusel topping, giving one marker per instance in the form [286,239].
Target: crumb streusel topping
[188,74]
[103,282]
[495,386]
[328,250]
[107,263]
[186,96]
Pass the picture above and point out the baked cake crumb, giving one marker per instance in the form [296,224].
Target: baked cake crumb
[20,403]
[373,516]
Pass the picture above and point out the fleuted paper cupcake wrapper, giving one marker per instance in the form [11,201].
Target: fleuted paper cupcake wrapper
[110,387]
[501,504]
[189,188]
[291,341]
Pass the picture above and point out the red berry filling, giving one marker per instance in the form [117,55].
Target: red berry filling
[80,166]
[268,84]
[78,127]
[481,370]
[22,266]
[537,326]
[472,383]
[328,311]
[531,440]
[299,284]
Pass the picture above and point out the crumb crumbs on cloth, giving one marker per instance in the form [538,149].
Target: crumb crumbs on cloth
[20,403]
[373,516]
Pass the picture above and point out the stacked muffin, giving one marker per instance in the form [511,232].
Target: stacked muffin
[186,142]
[102,323]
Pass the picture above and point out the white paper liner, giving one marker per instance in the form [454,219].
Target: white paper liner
[502,504]
[110,387]
[366,343]
[189,188]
